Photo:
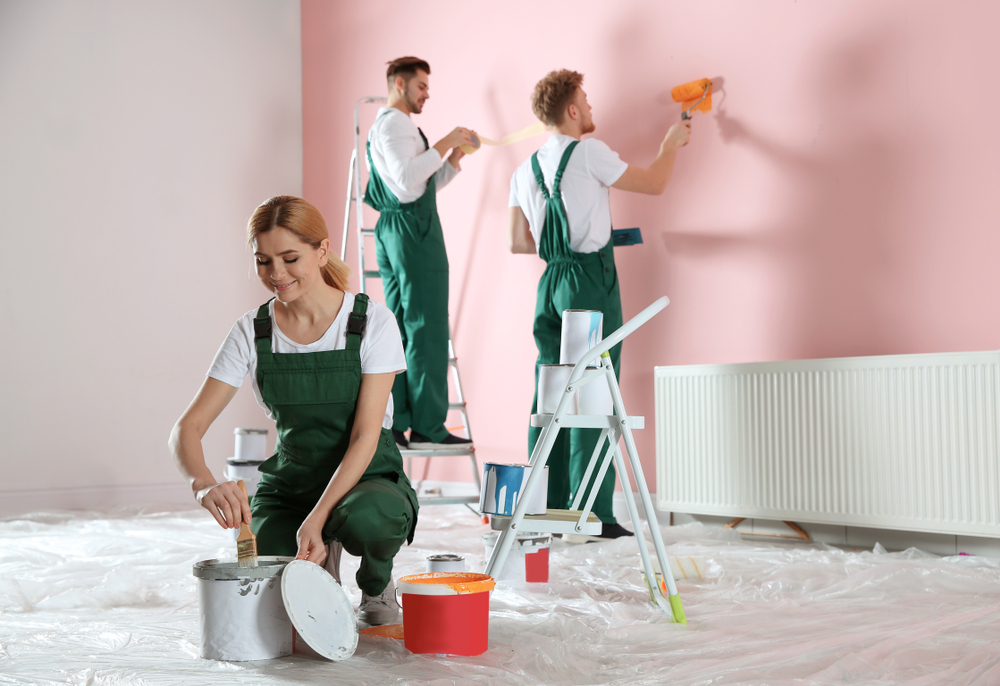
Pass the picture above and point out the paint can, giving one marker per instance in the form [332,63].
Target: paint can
[242,613]
[503,484]
[446,613]
[582,330]
[446,562]
[237,469]
[595,397]
[552,382]
[528,559]
[251,445]
[257,613]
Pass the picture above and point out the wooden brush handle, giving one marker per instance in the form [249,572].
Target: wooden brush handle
[245,532]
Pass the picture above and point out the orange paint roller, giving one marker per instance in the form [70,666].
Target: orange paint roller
[696,95]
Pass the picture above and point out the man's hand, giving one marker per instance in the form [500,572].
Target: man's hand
[454,157]
[678,135]
[458,137]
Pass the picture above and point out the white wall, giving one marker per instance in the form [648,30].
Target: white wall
[135,140]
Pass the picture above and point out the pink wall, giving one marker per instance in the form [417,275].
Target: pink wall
[837,201]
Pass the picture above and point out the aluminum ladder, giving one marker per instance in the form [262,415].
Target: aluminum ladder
[355,197]
[613,428]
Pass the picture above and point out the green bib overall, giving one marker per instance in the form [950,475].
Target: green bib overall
[571,281]
[313,398]
[413,265]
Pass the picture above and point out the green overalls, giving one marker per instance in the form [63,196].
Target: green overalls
[571,281]
[313,398]
[414,268]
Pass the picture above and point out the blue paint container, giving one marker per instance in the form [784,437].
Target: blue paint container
[503,485]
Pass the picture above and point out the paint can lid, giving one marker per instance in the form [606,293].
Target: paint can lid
[597,311]
[228,569]
[445,583]
[250,431]
[239,461]
[446,557]
[319,610]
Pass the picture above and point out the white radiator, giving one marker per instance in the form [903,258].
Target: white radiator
[896,442]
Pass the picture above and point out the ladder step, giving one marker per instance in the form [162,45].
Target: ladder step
[448,500]
[588,421]
[367,232]
[552,522]
[372,274]
[456,406]
[442,452]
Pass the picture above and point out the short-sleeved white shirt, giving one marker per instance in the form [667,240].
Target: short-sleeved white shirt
[398,152]
[381,347]
[592,169]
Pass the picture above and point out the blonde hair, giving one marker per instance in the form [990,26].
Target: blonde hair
[306,223]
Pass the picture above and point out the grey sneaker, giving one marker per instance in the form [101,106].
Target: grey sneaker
[332,565]
[380,609]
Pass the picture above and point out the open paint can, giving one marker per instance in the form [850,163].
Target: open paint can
[257,613]
[582,330]
[552,382]
[503,484]
[528,559]
[446,613]
[447,562]
[251,445]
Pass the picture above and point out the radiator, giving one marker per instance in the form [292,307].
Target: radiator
[896,442]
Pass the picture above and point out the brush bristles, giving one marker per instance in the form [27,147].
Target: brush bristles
[246,553]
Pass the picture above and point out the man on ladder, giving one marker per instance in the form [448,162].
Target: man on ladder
[405,175]
[559,204]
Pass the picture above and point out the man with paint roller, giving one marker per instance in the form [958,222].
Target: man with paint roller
[405,175]
[559,208]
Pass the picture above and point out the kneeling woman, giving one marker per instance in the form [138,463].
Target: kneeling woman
[322,363]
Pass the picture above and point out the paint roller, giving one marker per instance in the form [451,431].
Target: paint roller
[696,95]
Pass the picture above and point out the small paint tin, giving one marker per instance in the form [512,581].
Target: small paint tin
[582,330]
[502,485]
[447,562]
[251,445]
[552,382]
[528,559]
[237,469]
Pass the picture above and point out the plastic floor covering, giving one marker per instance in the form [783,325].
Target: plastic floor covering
[108,598]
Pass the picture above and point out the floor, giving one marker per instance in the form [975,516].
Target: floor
[108,598]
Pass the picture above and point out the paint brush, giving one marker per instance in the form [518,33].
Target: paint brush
[246,542]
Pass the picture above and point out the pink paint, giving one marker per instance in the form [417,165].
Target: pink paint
[837,201]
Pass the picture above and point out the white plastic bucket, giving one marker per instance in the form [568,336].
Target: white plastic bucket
[582,330]
[552,381]
[595,397]
[241,610]
[528,559]
[251,445]
[502,487]
[445,563]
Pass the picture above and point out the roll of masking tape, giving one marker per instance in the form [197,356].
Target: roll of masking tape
[479,141]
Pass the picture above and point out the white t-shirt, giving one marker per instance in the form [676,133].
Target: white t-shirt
[592,169]
[399,156]
[381,347]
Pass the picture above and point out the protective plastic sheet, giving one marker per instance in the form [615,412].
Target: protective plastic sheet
[109,599]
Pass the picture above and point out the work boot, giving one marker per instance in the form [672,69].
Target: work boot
[400,439]
[421,442]
[332,565]
[380,609]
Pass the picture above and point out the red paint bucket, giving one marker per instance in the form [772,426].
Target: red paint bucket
[446,613]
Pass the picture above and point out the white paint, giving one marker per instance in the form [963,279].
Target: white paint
[137,139]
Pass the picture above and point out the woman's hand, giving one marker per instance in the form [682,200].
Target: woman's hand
[226,502]
[310,540]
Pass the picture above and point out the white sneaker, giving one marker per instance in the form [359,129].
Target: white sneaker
[380,609]
[332,565]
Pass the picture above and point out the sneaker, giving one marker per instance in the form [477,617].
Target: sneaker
[608,532]
[380,609]
[420,442]
[332,564]
[400,439]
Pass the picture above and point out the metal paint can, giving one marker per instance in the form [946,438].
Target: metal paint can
[237,469]
[251,445]
[595,397]
[528,559]
[502,486]
[552,382]
[582,330]
[447,562]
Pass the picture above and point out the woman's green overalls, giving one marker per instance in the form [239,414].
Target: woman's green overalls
[413,264]
[313,398]
[571,281]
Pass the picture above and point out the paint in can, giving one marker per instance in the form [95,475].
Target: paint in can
[502,486]
[528,559]
[595,397]
[447,562]
[446,613]
[242,613]
[552,382]
[251,445]
[582,330]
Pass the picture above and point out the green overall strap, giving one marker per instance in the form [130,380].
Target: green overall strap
[357,321]
[262,329]
[554,244]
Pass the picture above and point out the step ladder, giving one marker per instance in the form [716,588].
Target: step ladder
[355,198]
[613,428]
